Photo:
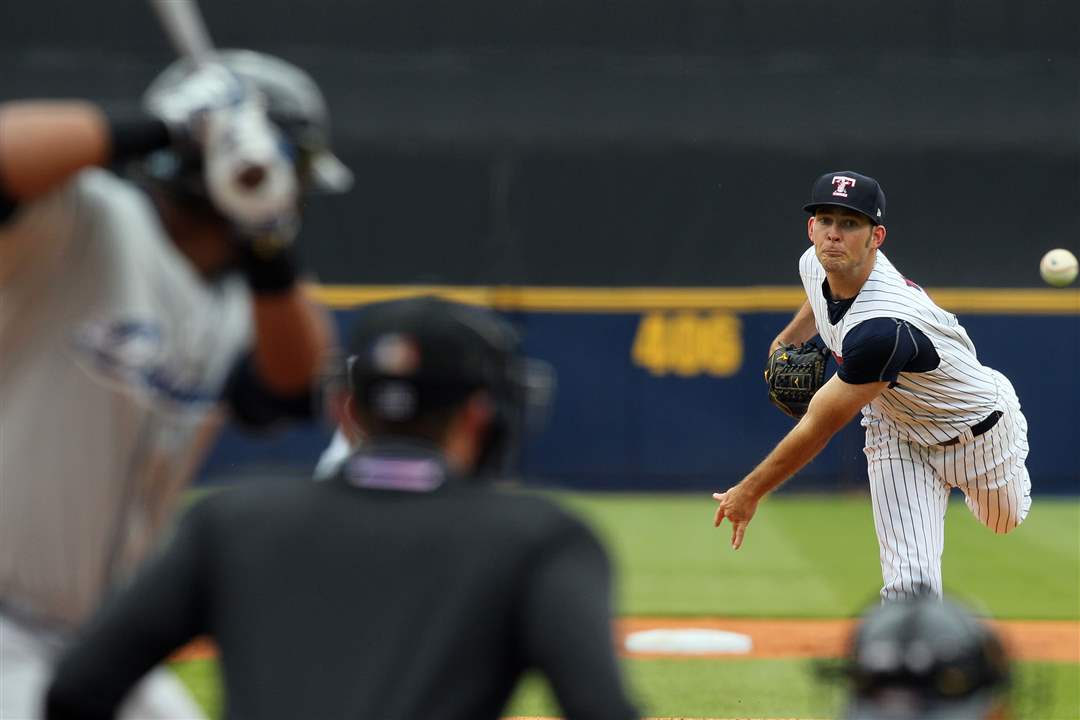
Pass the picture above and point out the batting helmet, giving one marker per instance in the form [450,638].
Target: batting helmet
[419,354]
[294,104]
[925,659]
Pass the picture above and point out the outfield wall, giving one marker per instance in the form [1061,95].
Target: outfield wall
[661,388]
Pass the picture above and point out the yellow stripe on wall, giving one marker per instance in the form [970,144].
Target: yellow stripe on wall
[760,298]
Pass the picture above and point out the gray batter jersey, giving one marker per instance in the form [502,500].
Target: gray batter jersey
[927,407]
[113,354]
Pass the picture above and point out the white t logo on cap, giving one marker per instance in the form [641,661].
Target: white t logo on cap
[842,183]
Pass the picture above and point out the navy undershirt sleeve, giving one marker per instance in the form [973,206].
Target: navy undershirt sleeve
[256,406]
[879,349]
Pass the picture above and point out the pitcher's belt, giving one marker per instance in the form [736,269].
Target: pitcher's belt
[977,429]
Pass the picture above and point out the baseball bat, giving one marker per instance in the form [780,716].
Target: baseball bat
[183,23]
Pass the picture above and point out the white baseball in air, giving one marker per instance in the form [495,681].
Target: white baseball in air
[1058,267]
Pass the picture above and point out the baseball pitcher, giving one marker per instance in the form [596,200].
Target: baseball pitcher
[936,418]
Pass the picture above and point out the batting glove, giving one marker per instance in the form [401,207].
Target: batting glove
[183,106]
[249,174]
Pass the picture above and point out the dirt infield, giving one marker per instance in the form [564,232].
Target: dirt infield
[1026,639]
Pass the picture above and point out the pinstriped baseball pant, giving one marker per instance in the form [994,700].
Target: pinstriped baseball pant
[910,485]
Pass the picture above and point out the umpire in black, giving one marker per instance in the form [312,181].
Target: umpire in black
[405,587]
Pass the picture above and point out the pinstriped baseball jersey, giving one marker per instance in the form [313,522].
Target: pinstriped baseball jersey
[114,353]
[925,407]
[920,437]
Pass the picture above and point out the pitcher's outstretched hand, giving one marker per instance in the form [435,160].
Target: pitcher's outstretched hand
[738,507]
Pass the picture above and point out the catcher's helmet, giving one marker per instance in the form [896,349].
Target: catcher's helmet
[925,659]
[294,104]
[419,354]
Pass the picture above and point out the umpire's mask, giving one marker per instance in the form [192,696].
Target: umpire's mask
[419,354]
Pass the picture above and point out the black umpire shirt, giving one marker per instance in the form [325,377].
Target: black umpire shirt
[394,590]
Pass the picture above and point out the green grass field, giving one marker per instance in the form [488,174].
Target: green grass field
[816,556]
[804,556]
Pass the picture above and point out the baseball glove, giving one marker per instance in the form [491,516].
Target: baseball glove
[794,374]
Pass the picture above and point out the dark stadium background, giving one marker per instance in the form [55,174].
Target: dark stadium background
[656,143]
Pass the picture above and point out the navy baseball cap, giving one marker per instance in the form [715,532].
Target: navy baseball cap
[851,190]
